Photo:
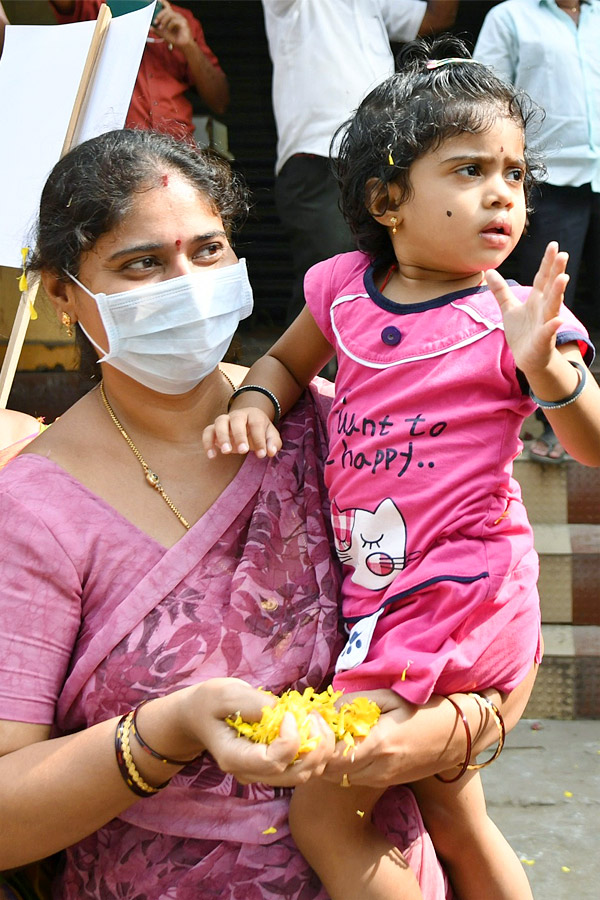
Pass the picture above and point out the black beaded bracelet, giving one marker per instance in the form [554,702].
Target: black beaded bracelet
[550,404]
[261,390]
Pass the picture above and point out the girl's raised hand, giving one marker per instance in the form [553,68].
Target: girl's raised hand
[531,327]
[240,431]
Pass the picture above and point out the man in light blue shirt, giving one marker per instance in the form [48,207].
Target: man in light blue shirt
[551,50]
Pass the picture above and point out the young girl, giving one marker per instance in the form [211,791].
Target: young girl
[439,361]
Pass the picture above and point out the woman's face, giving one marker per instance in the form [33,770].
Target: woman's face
[171,230]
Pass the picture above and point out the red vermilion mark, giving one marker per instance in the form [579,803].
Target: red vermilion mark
[165,180]
[178,243]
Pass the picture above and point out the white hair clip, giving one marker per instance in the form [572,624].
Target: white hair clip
[436,63]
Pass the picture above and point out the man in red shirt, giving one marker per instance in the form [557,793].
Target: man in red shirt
[176,58]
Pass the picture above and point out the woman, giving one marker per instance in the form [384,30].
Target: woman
[136,569]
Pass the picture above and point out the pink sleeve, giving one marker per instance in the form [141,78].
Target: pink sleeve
[39,614]
[319,295]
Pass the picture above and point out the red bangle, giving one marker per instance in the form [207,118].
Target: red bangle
[465,765]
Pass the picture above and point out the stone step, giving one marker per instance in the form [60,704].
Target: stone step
[569,582]
[568,681]
[564,492]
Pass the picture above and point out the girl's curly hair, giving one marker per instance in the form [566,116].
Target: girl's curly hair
[411,113]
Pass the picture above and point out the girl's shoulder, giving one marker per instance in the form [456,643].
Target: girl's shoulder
[340,270]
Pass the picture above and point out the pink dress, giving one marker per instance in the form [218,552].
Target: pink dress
[440,573]
[95,616]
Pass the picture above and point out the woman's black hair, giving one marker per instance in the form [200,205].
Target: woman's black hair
[409,114]
[93,187]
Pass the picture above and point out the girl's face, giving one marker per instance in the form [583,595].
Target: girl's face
[170,231]
[467,209]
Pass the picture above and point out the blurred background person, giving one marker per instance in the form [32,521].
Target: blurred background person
[176,58]
[326,57]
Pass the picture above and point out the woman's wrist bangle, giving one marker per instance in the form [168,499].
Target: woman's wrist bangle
[128,769]
[465,764]
[147,748]
[261,390]
[497,717]
[550,404]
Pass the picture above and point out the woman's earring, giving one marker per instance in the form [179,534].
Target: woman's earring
[68,323]
[394,223]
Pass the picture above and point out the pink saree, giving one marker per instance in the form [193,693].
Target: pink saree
[97,616]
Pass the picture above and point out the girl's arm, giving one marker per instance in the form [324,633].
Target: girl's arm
[56,792]
[285,371]
[530,330]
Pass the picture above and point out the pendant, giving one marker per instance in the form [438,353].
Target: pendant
[153,479]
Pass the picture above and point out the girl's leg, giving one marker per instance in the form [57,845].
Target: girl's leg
[333,830]
[478,860]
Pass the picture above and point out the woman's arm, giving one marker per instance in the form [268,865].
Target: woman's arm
[412,742]
[56,792]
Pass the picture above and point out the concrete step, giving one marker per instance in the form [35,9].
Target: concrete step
[564,492]
[569,582]
[568,681]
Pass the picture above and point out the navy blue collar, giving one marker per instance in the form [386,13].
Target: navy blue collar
[403,308]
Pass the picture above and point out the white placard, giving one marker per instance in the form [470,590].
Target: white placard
[40,71]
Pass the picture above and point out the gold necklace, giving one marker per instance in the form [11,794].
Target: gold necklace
[151,477]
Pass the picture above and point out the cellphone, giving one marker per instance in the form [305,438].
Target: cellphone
[157,9]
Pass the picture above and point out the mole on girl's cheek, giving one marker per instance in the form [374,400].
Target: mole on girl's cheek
[178,243]
[448,213]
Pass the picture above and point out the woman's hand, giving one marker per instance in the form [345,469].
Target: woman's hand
[210,703]
[531,327]
[408,743]
[412,742]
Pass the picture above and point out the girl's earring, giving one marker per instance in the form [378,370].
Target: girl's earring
[394,224]
[68,323]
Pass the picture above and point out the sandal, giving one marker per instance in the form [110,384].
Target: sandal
[551,442]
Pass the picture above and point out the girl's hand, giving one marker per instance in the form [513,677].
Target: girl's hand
[240,431]
[531,327]
[210,703]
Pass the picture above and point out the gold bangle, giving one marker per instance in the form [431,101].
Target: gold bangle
[127,767]
[465,764]
[497,717]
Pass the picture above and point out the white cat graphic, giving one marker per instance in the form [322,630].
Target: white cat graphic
[373,542]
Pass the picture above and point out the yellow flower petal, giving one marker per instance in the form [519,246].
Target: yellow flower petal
[568,793]
[565,869]
[270,830]
[350,721]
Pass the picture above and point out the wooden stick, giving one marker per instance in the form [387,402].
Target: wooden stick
[15,343]
[19,329]
[91,62]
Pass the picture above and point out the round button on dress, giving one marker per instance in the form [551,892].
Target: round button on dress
[391,336]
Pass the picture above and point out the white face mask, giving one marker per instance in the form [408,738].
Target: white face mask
[168,336]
